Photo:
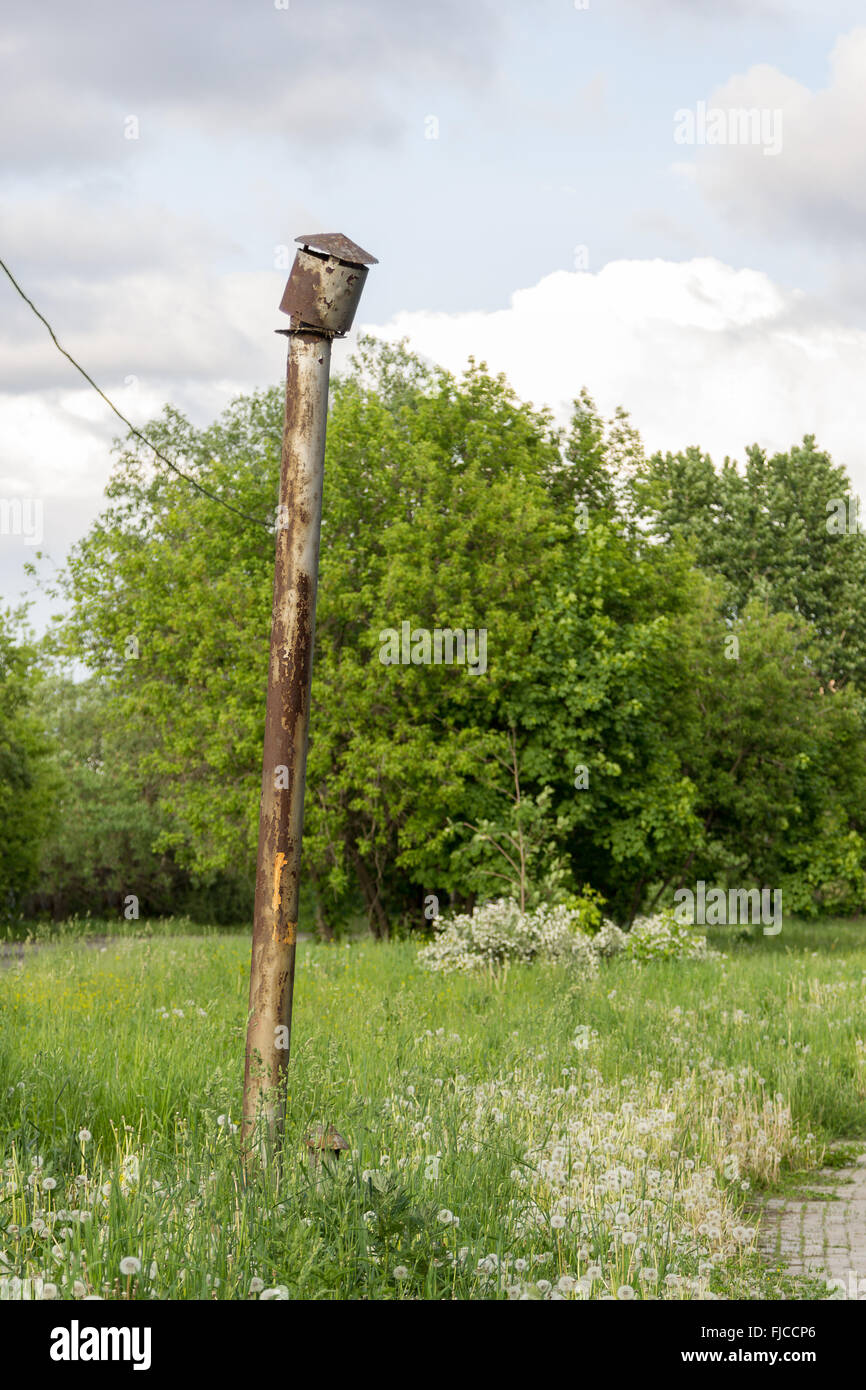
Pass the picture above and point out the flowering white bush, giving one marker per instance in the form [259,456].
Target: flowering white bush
[663,938]
[609,940]
[498,933]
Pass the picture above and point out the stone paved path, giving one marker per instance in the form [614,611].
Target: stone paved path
[822,1236]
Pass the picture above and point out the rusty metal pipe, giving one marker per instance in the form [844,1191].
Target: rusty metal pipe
[287,718]
[321,298]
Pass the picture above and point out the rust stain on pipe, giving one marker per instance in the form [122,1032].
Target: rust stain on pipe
[278,886]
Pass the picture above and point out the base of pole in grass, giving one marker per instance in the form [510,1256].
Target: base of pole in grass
[263,1127]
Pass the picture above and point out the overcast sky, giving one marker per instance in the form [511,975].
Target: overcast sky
[541,182]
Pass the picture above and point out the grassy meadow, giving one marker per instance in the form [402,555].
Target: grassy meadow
[534,1134]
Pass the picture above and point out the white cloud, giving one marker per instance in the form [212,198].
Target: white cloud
[151,324]
[816,186]
[699,352]
[705,13]
[93,231]
[335,73]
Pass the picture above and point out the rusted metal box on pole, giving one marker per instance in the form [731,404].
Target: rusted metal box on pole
[325,285]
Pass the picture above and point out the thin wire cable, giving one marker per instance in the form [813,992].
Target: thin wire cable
[253,520]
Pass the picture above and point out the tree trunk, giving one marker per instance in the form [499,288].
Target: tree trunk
[375,911]
[324,930]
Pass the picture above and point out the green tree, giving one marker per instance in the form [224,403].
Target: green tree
[770,532]
[419,526]
[101,847]
[775,757]
[640,751]
[25,788]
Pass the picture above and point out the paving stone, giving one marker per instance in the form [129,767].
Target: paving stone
[823,1236]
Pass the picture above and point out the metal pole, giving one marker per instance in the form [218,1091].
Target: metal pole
[320,298]
[287,718]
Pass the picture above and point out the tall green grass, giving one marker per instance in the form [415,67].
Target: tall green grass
[502,1104]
